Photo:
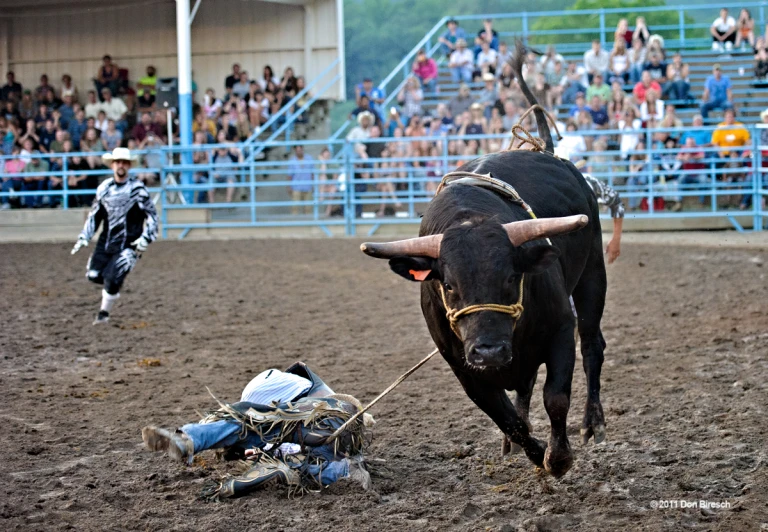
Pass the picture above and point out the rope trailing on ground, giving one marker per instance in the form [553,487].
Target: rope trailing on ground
[381,395]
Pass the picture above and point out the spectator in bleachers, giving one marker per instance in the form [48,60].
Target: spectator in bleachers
[549,59]
[60,137]
[619,63]
[638,174]
[233,78]
[267,76]
[114,108]
[761,64]
[451,35]
[212,106]
[542,91]
[631,127]
[112,136]
[487,59]
[11,168]
[723,30]
[572,145]
[68,88]
[101,121]
[692,165]
[461,63]
[12,88]
[43,114]
[618,103]
[302,175]
[511,115]
[146,127]
[573,83]
[410,98]
[226,153]
[578,107]
[669,166]
[288,82]
[47,135]
[34,183]
[30,133]
[91,141]
[26,107]
[107,77]
[66,111]
[503,56]
[258,107]
[669,121]
[701,136]
[77,128]
[678,84]
[243,85]
[745,30]
[487,34]
[730,135]
[642,31]
[506,75]
[146,87]
[206,126]
[92,106]
[375,95]
[425,69]
[637,55]
[643,86]
[655,45]
[599,89]
[488,96]
[42,88]
[444,120]
[656,68]
[596,60]
[717,92]
[623,33]
[364,105]
[652,108]
[598,112]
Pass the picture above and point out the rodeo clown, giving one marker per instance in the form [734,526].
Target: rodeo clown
[123,204]
[281,425]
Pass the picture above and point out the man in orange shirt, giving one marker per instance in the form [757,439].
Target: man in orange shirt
[730,134]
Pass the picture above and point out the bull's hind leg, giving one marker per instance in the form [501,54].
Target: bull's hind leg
[589,298]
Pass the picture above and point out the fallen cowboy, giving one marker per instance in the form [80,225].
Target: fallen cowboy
[281,425]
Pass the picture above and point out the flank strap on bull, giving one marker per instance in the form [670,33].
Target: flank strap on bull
[453,315]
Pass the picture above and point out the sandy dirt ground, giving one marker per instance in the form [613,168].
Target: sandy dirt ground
[684,391]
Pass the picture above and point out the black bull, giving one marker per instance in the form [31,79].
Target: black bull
[492,352]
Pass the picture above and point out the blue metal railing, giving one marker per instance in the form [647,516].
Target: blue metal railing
[346,194]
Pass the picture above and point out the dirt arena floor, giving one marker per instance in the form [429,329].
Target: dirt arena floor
[684,391]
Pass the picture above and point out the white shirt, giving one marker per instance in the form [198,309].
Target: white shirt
[264,104]
[462,58]
[596,62]
[274,386]
[629,141]
[487,58]
[658,112]
[724,25]
[114,109]
[571,146]
[92,110]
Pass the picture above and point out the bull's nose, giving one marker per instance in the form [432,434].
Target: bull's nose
[488,355]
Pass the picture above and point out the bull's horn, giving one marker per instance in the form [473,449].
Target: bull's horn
[423,246]
[526,230]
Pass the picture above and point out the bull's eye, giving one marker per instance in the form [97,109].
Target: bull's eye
[448,288]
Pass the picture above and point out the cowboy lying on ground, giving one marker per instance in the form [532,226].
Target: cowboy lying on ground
[282,423]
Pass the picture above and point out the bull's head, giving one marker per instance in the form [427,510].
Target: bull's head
[477,264]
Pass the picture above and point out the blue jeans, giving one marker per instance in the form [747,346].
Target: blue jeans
[430,86]
[569,95]
[37,185]
[706,107]
[220,434]
[462,73]
[11,184]
[676,90]
[637,182]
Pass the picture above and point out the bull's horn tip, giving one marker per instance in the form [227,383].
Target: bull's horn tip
[583,220]
[364,247]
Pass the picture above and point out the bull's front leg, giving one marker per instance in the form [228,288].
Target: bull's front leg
[557,400]
[496,404]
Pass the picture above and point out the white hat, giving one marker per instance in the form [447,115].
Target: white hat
[364,114]
[119,154]
[763,114]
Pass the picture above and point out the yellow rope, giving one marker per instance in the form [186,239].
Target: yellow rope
[523,135]
[453,315]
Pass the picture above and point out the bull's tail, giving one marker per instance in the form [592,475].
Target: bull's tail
[517,61]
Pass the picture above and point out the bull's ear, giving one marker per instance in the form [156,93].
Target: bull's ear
[414,268]
[536,259]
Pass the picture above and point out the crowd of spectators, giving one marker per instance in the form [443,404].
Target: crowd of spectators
[62,119]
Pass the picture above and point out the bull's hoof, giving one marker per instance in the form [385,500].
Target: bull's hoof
[557,461]
[535,450]
[598,432]
[593,424]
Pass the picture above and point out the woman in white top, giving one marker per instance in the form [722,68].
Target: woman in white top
[652,107]
[68,88]
[268,75]
[572,145]
[631,128]
[410,97]
[619,63]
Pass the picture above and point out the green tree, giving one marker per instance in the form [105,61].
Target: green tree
[655,20]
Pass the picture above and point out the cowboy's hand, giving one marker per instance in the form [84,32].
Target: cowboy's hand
[141,244]
[613,250]
[81,242]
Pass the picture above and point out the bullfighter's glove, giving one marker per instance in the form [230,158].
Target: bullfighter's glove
[81,242]
[141,244]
